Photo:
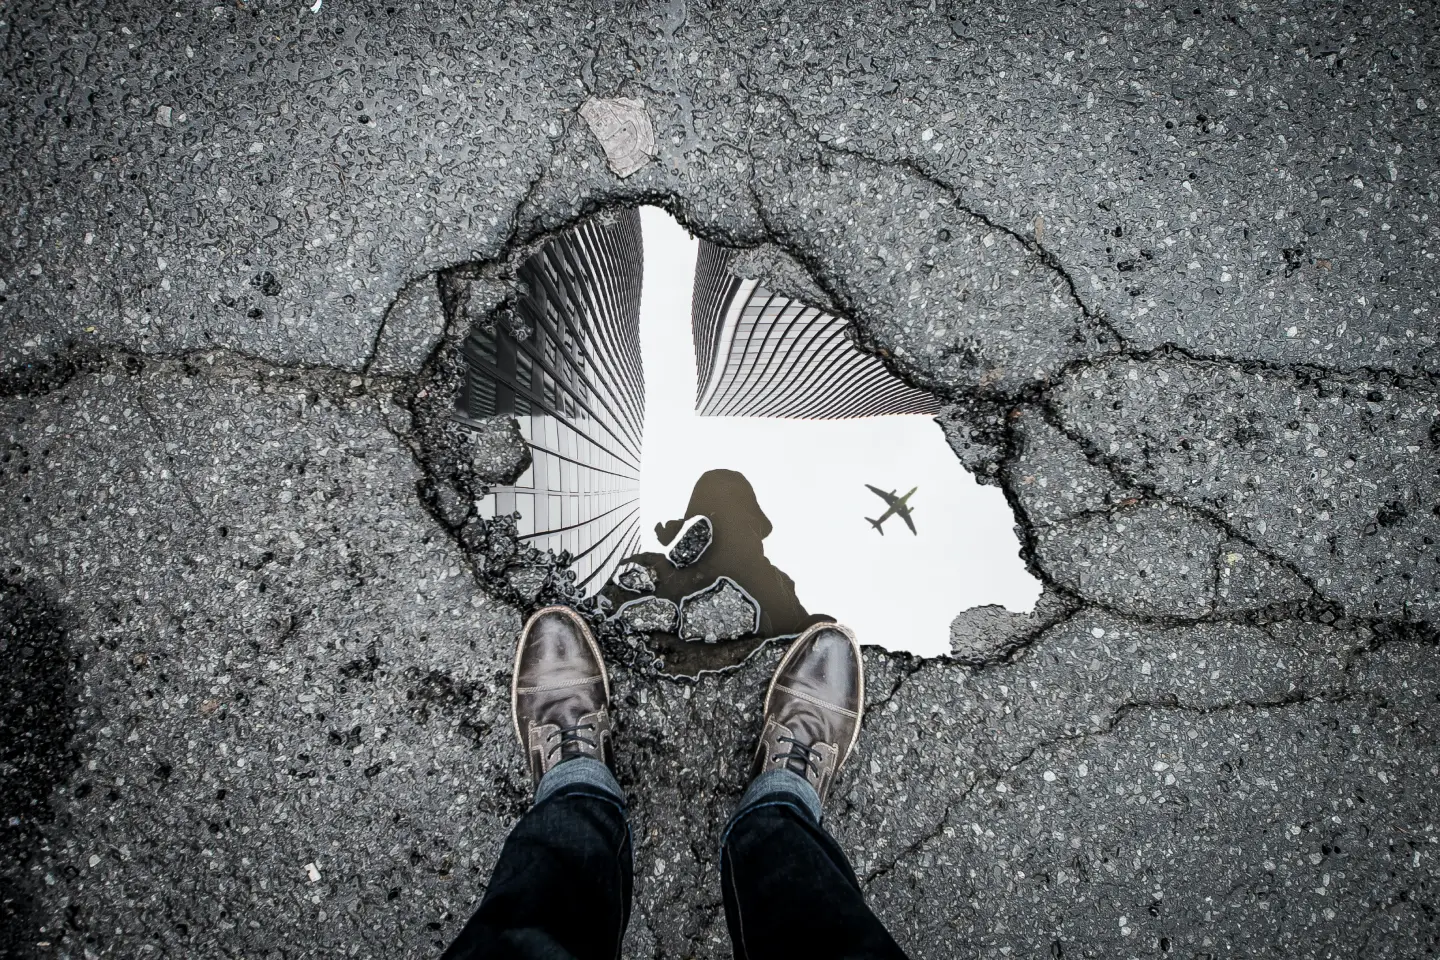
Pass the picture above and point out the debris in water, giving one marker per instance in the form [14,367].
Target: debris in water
[722,611]
[649,615]
[635,577]
[694,541]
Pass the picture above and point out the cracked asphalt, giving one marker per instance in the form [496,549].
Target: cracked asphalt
[1171,268]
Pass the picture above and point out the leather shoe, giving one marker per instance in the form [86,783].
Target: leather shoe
[560,694]
[813,707]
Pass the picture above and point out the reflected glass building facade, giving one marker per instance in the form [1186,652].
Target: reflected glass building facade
[576,387]
[758,354]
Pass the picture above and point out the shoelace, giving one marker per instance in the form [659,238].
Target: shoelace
[798,751]
[570,735]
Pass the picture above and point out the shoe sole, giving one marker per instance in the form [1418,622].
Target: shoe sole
[794,649]
[574,618]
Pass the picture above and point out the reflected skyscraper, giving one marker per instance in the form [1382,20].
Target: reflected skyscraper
[576,387]
[758,354]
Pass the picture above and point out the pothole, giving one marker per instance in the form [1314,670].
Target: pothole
[656,389]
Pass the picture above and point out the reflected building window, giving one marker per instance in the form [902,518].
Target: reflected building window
[759,354]
[576,388]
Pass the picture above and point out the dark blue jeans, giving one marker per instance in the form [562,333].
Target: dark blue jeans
[561,889]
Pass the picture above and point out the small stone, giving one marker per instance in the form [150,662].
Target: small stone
[624,130]
[635,577]
[722,611]
[267,283]
[413,325]
[527,580]
[693,541]
[649,615]
[498,451]
[454,506]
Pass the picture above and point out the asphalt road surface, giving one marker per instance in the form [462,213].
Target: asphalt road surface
[1171,268]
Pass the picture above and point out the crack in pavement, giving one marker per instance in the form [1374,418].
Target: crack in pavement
[1054,416]
[910,664]
[489,121]
[154,423]
[340,382]
[1028,241]
[1052,261]
[33,381]
[1118,715]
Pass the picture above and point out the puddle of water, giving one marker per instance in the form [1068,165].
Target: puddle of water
[781,445]
[809,478]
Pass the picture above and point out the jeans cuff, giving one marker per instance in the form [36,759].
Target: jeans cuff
[581,771]
[788,785]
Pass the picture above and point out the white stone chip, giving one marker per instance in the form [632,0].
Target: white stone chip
[624,130]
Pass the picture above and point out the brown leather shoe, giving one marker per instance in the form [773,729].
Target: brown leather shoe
[560,695]
[813,707]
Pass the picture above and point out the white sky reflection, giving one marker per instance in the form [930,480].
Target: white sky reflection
[899,591]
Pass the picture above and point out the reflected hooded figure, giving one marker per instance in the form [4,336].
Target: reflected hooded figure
[737,551]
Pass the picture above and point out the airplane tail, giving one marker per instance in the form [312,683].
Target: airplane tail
[876,525]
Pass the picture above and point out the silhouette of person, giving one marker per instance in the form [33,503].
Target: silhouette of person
[737,551]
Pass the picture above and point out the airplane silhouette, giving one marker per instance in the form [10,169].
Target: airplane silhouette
[896,506]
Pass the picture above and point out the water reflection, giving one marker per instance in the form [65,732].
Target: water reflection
[567,367]
[759,383]
[741,377]
[737,551]
[760,354]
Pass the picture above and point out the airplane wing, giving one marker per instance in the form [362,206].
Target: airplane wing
[905,515]
[882,494]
